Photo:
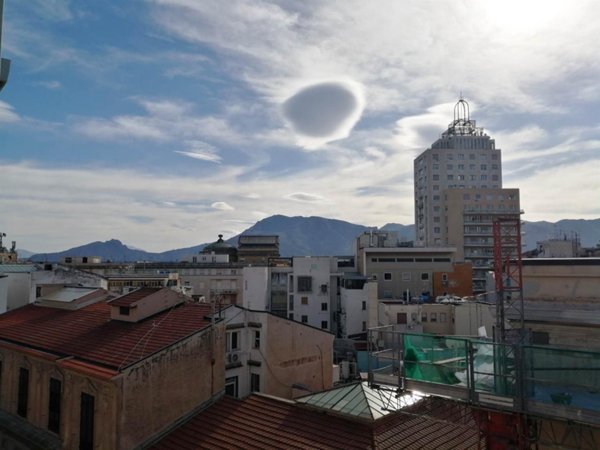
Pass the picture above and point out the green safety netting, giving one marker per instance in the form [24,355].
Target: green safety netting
[419,365]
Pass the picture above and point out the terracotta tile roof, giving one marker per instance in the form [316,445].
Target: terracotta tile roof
[133,296]
[89,335]
[266,423]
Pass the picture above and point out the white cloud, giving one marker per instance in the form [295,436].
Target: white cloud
[7,113]
[201,150]
[50,84]
[304,197]
[222,206]
[164,120]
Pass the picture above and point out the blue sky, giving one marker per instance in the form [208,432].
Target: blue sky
[163,123]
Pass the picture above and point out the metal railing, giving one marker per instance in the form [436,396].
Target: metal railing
[538,380]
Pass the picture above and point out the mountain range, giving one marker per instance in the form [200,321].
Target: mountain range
[318,236]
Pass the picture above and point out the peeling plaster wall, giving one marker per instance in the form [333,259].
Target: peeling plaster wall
[168,385]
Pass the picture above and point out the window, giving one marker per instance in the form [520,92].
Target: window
[461,156]
[437,230]
[54,405]
[449,166]
[291,303]
[484,177]
[413,317]
[436,219]
[304,284]
[436,177]
[433,317]
[406,276]
[472,156]
[450,177]
[324,306]
[387,276]
[304,319]
[444,277]
[232,341]
[86,422]
[424,276]
[304,300]
[436,188]
[461,167]
[254,382]
[364,326]
[423,317]
[23,395]
[364,305]
[256,339]
[443,317]
[483,167]
[124,310]
[450,156]
[435,166]
[324,324]
[231,386]
[374,277]
[291,316]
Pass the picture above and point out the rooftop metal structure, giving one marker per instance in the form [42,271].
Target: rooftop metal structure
[4,63]
[527,383]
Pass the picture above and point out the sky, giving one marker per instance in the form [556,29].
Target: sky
[163,123]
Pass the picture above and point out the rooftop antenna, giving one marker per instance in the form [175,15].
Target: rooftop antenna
[4,63]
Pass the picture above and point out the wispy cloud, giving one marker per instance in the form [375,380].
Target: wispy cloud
[222,206]
[7,113]
[304,197]
[163,120]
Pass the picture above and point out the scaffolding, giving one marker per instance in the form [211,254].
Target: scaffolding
[511,388]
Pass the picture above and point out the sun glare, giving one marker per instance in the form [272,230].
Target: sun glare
[524,16]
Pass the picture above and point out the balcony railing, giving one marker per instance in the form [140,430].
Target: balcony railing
[538,380]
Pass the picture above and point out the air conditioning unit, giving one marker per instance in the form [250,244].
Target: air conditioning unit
[233,357]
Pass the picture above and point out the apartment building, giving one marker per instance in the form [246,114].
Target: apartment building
[274,355]
[459,193]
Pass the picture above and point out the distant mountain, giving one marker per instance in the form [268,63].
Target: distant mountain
[24,254]
[309,236]
[405,232]
[112,250]
[588,231]
[318,236]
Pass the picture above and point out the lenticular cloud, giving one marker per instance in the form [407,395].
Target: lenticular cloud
[324,112]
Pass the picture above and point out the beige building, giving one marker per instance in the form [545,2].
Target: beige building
[562,299]
[257,249]
[407,272]
[465,319]
[107,375]
[469,225]
[273,355]
[458,193]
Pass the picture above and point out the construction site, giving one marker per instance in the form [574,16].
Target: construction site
[522,396]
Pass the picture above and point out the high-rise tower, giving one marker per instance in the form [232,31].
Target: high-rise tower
[458,193]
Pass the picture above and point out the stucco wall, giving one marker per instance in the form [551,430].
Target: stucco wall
[166,386]
[561,282]
[297,354]
[73,384]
